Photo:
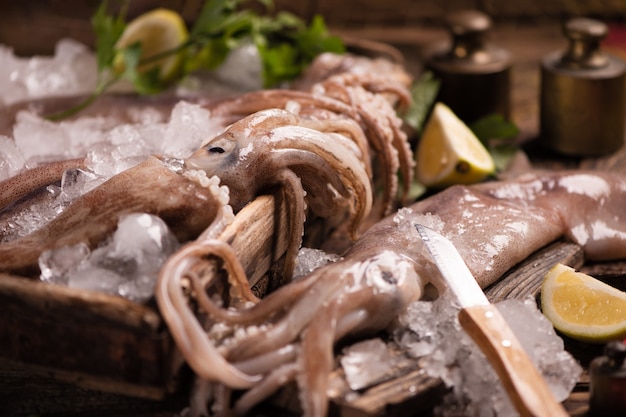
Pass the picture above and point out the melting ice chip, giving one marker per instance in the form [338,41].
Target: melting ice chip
[11,159]
[310,259]
[366,363]
[126,265]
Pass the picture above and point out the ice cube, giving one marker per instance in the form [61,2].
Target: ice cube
[40,139]
[71,70]
[56,264]
[143,237]
[242,68]
[189,126]
[91,277]
[76,182]
[366,363]
[27,219]
[543,345]
[107,160]
[126,265]
[11,159]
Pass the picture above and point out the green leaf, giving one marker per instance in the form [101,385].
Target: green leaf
[144,82]
[108,30]
[212,15]
[497,134]
[279,63]
[494,126]
[316,40]
[502,155]
[424,93]
[286,44]
[207,56]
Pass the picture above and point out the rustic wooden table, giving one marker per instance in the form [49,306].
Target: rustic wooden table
[21,394]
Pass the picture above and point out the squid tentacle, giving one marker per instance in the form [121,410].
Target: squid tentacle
[270,384]
[301,313]
[316,361]
[256,313]
[348,128]
[295,196]
[263,364]
[261,100]
[350,169]
[191,339]
[407,162]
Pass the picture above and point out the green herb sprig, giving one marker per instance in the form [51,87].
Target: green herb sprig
[286,45]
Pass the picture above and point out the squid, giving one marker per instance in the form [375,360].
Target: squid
[188,202]
[266,151]
[348,90]
[257,346]
[276,148]
[315,148]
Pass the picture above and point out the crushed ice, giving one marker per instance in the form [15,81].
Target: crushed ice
[109,148]
[367,363]
[126,265]
[72,70]
[309,259]
[430,330]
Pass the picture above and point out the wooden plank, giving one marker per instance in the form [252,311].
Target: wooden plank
[28,391]
[394,13]
[93,340]
[525,279]
[539,9]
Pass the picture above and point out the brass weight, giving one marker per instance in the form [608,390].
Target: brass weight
[474,75]
[582,94]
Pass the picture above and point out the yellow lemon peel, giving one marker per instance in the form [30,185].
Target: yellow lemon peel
[583,307]
[158,31]
[449,152]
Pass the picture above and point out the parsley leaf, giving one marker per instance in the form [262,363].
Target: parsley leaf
[424,93]
[498,135]
[108,30]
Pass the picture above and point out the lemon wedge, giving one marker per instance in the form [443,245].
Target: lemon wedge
[583,307]
[158,31]
[449,153]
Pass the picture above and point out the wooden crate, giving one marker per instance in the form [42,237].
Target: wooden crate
[53,335]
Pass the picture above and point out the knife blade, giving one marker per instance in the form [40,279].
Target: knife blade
[483,322]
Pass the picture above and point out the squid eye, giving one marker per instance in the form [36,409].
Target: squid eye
[219,145]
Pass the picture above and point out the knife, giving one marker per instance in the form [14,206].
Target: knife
[482,321]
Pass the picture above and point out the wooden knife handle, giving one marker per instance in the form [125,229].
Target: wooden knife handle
[524,384]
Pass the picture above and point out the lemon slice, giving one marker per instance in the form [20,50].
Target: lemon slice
[583,307]
[159,30]
[449,153]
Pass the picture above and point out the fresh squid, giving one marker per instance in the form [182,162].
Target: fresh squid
[263,151]
[259,345]
[347,90]
[315,149]
[188,202]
